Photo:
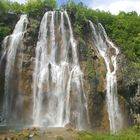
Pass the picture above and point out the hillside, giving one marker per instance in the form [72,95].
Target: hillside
[71,67]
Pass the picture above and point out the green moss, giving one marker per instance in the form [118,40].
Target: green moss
[89,69]
[59,138]
[26,138]
[34,28]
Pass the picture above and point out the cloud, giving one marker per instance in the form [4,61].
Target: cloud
[115,6]
[20,1]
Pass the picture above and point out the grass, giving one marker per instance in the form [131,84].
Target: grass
[132,133]
[129,134]
[59,138]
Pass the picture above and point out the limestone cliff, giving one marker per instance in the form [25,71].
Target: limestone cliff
[93,67]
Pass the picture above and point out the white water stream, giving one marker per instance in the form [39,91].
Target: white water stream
[103,44]
[58,93]
[11,44]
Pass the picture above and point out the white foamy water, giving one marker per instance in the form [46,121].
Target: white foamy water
[58,92]
[103,44]
[11,44]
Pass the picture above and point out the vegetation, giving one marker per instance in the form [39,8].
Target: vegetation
[123,29]
[15,7]
[130,134]
[38,5]
[31,7]
[90,69]
[4,30]
[9,6]
[59,138]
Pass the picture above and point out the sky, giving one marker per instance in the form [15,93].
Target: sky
[113,6]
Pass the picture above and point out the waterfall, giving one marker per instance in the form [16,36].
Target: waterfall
[58,94]
[11,44]
[103,44]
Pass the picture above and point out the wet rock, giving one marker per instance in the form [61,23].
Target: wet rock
[128,86]
[69,126]
[94,70]
[136,118]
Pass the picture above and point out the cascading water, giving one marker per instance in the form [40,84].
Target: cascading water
[103,44]
[11,44]
[58,93]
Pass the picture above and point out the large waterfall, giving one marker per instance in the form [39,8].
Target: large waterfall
[103,45]
[58,94]
[42,81]
[11,44]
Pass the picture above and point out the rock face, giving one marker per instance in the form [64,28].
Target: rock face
[95,84]
[128,87]
[94,70]
[28,52]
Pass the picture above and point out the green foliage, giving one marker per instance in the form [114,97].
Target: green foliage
[39,4]
[4,6]
[130,134]
[123,29]
[9,6]
[89,65]
[4,31]
[125,32]
[30,5]
[59,138]
[17,8]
